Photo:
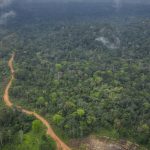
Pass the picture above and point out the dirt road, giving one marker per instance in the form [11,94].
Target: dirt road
[60,144]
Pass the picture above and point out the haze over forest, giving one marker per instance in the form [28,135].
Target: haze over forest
[78,70]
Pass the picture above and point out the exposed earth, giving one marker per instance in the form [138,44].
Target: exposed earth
[94,143]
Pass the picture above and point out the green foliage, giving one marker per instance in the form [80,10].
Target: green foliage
[81,84]
[47,144]
[80,112]
[16,133]
[40,101]
[36,126]
[108,132]
[53,97]
[58,67]
[57,119]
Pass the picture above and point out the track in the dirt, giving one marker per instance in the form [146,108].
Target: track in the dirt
[60,144]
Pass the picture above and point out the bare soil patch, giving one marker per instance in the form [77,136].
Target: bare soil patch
[94,143]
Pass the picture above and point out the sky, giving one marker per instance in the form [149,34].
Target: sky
[5,3]
[5,16]
[115,1]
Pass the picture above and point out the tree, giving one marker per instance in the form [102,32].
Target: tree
[47,143]
[57,118]
[80,112]
[21,136]
[40,101]
[58,67]
[91,119]
[36,126]
[1,137]
[53,97]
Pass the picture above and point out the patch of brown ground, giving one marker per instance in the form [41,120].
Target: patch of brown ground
[93,143]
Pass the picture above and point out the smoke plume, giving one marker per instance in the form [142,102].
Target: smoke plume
[6,16]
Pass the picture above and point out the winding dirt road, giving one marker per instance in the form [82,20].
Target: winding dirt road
[60,144]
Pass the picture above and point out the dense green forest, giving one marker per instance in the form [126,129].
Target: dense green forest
[86,76]
[17,130]
[67,73]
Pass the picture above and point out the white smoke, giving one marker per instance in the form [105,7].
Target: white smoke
[6,16]
[105,41]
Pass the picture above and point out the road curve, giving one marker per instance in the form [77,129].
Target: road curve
[60,144]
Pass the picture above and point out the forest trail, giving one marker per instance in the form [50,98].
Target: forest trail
[60,144]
